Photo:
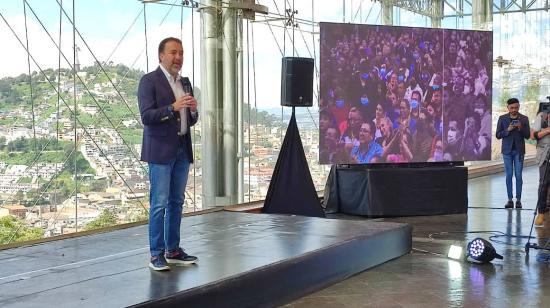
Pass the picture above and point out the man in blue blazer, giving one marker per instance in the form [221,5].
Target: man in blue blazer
[168,110]
[513,129]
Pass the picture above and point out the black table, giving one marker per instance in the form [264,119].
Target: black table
[396,191]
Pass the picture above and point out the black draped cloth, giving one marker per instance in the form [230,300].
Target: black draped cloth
[291,190]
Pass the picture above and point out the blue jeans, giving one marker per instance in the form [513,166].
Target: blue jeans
[513,162]
[168,183]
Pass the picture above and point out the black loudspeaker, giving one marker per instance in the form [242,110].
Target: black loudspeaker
[297,82]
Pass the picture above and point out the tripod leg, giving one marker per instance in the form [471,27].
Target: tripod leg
[541,200]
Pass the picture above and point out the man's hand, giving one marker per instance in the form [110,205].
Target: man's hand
[185,101]
[511,127]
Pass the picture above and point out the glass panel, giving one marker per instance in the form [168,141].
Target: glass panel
[66,169]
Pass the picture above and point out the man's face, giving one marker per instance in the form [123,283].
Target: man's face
[453,125]
[379,112]
[453,132]
[479,108]
[324,122]
[452,47]
[171,57]
[422,116]
[403,109]
[436,98]
[393,99]
[365,134]
[331,138]
[513,109]
[401,88]
[355,118]
[430,110]
[415,96]
[458,87]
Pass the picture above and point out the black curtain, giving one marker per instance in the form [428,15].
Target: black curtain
[291,190]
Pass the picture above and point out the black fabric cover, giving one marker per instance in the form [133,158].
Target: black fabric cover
[291,190]
[397,191]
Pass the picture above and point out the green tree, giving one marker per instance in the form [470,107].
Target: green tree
[107,218]
[99,185]
[14,230]
[504,96]
[140,215]
[19,196]
[262,116]
[34,196]
[532,90]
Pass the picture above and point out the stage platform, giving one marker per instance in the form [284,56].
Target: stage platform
[244,260]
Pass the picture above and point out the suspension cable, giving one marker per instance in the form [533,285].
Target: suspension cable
[293,53]
[30,76]
[368,14]
[145,30]
[314,50]
[116,48]
[193,85]
[98,63]
[255,96]
[86,88]
[47,185]
[86,132]
[58,81]
[358,10]
[75,123]
[249,105]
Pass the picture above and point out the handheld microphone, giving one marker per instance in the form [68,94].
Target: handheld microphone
[187,87]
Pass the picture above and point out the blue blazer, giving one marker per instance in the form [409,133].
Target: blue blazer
[160,125]
[515,137]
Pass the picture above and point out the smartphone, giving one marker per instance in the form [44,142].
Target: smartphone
[514,122]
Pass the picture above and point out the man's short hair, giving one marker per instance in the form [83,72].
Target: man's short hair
[512,100]
[166,40]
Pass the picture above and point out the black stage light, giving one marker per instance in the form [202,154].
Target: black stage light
[482,251]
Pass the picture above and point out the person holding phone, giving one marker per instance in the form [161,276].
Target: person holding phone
[513,129]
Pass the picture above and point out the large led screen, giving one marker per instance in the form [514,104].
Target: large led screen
[401,94]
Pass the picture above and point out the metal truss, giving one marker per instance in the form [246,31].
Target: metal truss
[513,6]
[457,7]
[461,8]
[429,8]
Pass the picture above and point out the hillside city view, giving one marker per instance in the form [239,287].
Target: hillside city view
[38,163]
[70,140]
[42,168]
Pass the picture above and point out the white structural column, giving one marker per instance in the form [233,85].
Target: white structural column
[229,137]
[482,14]
[210,101]
[437,15]
[387,12]
[240,109]
[221,80]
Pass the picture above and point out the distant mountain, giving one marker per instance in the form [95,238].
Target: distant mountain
[307,118]
[287,110]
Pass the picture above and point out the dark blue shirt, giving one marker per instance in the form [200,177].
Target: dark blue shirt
[515,139]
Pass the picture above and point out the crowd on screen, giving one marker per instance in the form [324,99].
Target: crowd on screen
[396,94]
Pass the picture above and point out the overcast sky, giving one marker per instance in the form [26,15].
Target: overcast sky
[103,23]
